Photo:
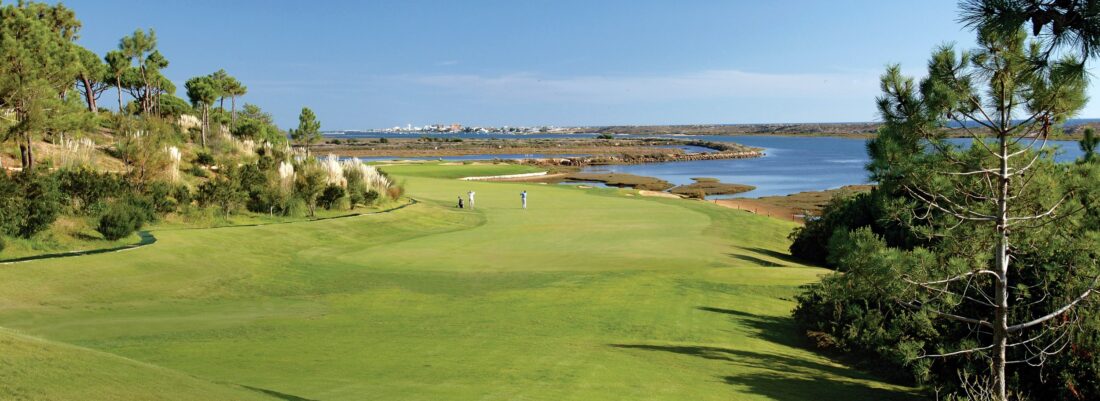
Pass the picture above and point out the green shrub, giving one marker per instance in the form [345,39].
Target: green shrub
[308,185]
[330,196]
[197,171]
[84,187]
[160,193]
[811,241]
[120,220]
[296,207]
[29,203]
[183,196]
[204,158]
[223,192]
[143,206]
[370,196]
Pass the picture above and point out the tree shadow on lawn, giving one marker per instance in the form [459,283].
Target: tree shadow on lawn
[146,238]
[779,330]
[778,376]
[779,387]
[784,378]
[755,260]
[276,394]
[774,254]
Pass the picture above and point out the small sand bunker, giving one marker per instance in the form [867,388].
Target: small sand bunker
[658,194]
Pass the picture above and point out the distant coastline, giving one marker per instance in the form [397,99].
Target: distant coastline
[1072,129]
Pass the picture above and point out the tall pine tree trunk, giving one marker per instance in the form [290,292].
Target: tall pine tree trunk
[145,96]
[204,124]
[26,152]
[118,85]
[88,95]
[1000,313]
[1000,324]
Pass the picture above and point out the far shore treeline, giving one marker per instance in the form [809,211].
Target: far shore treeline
[77,175]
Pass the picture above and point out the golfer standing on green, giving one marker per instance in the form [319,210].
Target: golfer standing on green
[523,196]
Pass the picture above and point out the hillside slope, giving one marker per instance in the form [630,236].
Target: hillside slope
[37,369]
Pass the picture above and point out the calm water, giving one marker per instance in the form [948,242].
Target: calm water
[792,164]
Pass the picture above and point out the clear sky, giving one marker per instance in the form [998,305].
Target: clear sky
[374,64]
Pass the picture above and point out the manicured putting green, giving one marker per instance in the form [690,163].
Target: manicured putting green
[589,294]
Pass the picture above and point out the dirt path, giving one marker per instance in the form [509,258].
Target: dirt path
[761,208]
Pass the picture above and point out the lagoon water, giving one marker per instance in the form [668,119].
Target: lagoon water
[792,164]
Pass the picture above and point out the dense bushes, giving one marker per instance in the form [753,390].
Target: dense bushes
[120,220]
[116,205]
[167,198]
[29,203]
[369,197]
[875,315]
[330,196]
[811,241]
[223,192]
[204,159]
[83,187]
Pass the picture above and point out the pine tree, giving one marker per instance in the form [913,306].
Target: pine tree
[203,92]
[308,131]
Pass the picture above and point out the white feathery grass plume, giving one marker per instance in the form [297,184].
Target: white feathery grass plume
[247,146]
[75,152]
[374,178]
[296,154]
[174,157]
[370,175]
[335,171]
[286,174]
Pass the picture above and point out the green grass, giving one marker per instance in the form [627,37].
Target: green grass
[587,295]
[67,234]
[35,369]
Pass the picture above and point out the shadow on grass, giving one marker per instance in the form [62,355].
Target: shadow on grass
[780,376]
[146,237]
[276,394]
[779,330]
[783,377]
[779,387]
[755,260]
[786,257]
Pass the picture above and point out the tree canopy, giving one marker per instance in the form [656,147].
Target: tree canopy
[308,131]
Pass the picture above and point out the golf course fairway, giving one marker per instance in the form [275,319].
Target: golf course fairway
[589,294]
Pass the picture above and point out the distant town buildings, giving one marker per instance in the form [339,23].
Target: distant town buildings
[459,128]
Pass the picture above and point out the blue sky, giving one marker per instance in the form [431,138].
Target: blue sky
[380,64]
